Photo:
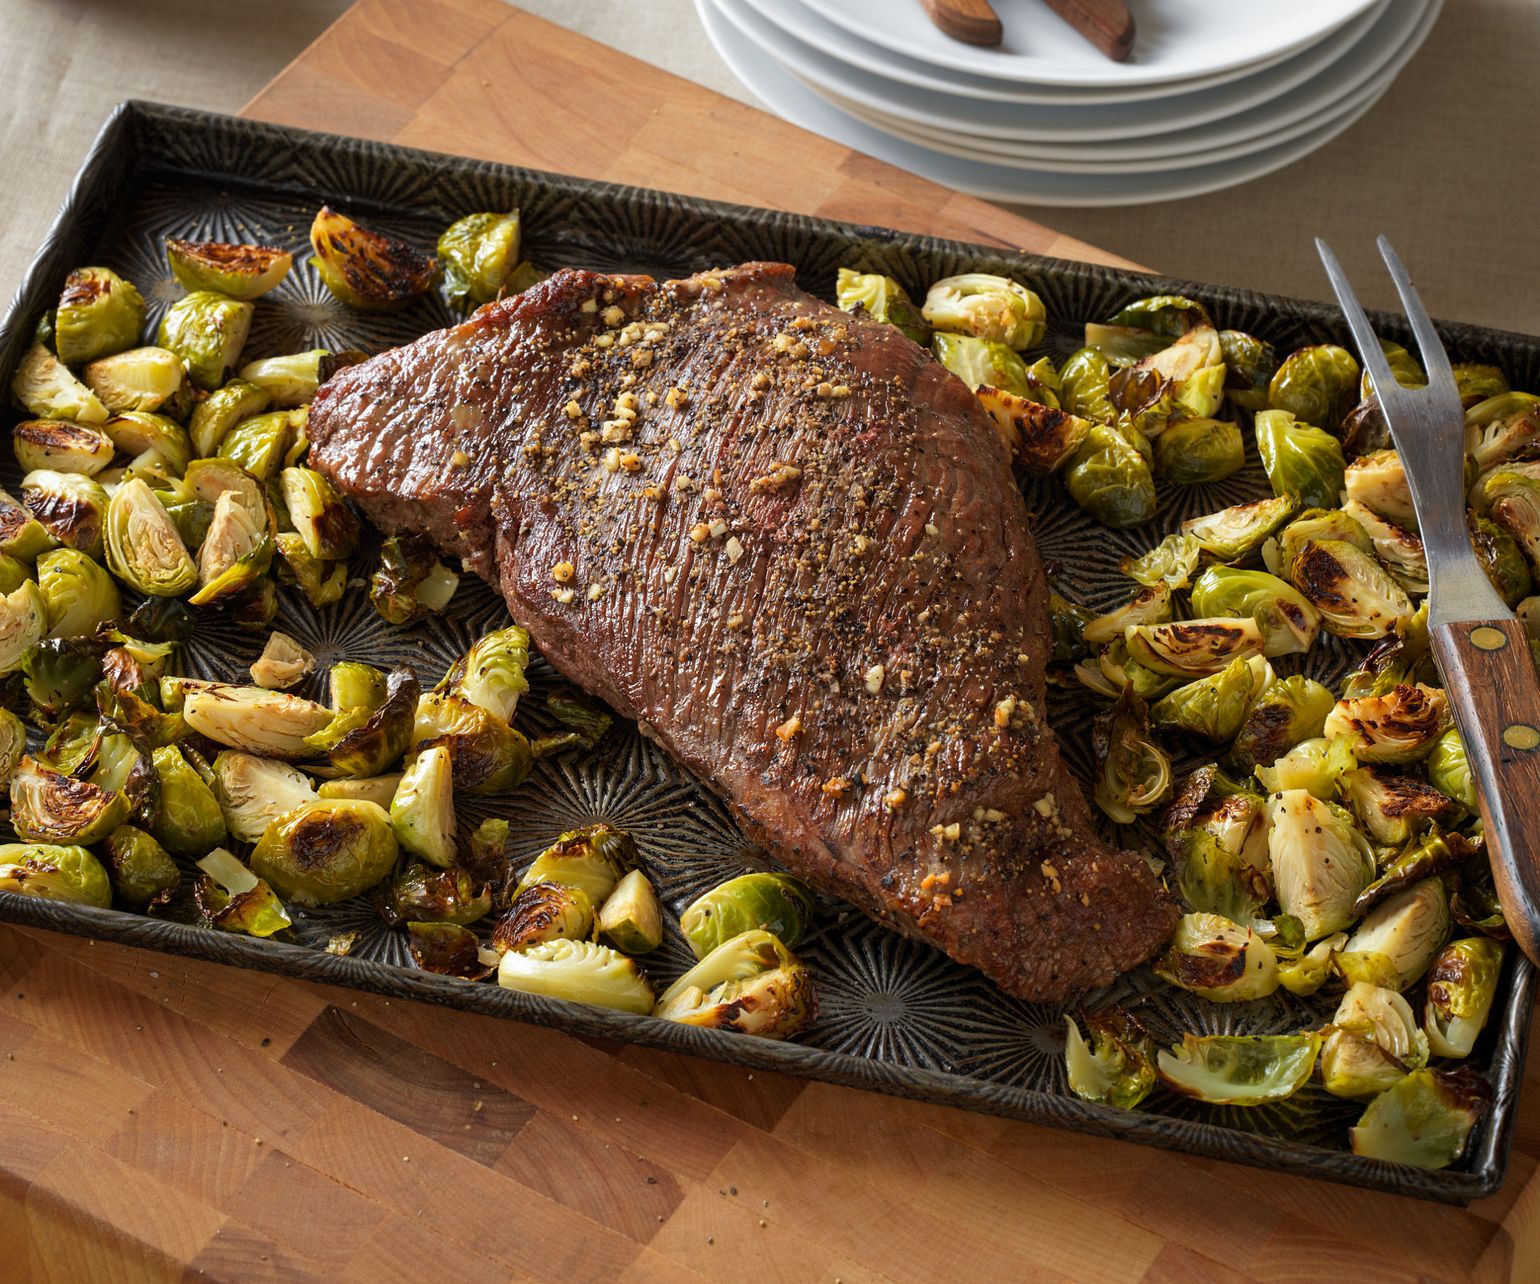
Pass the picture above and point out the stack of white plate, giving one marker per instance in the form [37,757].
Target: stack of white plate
[1217,91]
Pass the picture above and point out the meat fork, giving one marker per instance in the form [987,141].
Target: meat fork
[1481,648]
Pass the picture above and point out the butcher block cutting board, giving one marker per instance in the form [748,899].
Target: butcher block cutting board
[169,1119]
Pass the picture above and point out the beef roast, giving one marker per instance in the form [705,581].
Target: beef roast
[788,543]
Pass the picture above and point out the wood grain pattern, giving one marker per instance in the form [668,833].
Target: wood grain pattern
[971,21]
[171,1119]
[1107,24]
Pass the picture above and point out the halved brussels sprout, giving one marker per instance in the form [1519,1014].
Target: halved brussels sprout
[1219,960]
[1145,402]
[1399,937]
[1232,533]
[1501,428]
[1314,765]
[479,253]
[1318,384]
[253,792]
[292,380]
[266,723]
[578,971]
[1288,622]
[423,894]
[630,918]
[375,789]
[60,446]
[364,739]
[986,307]
[411,581]
[146,379]
[1378,482]
[877,296]
[1449,770]
[1083,391]
[324,522]
[1112,670]
[219,412]
[13,573]
[1477,382]
[1171,563]
[778,903]
[751,984]
[423,811]
[1133,773]
[1213,707]
[1356,598]
[1399,550]
[207,331]
[1039,438]
[1249,367]
[1513,502]
[143,547]
[143,874]
[1109,478]
[489,756]
[1123,345]
[1400,726]
[1216,833]
[544,912]
[447,949]
[1318,524]
[367,269]
[1300,460]
[23,622]
[1193,351]
[99,313]
[1195,451]
[60,673]
[45,388]
[1403,367]
[321,582]
[491,674]
[1239,1069]
[593,858]
[1320,862]
[1193,648]
[1502,559]
[1119,1070]
[242,272]
[1462,986]
[231,898]
[235,552]
[1424,1119]
[326,851]
[78,594]
[980,362]
[71,507]
[1148,606]
[282,664]
[1372,1043]
[13,744]
[48,806]
[1290,711]
[1308,972]
[140,433]
[1394,808]
[57,872]
[351,684]
[188,821]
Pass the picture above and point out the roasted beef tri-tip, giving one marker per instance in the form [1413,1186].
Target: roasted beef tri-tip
[788,543]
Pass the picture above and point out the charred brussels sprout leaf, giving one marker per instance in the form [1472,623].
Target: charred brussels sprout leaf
[1393,809]
[282,664]
[60,673]
[242,272]
[479,253]
[410,582]
[326,851]
[1148,606]
[1195,451]
[72,508]
[1317,384]
[1172,563]
[447,949]
[1118,1068]
[1219,960]
[981,361]
[986,307]
[1462,986]
[142,873]
[57,872]
[1354,595]
[1424,1119]
[1502,559]
[421,893]
[881,298]
[583,719]
[1300,460]
[1038,437]
[99,313]
[1167,315]
[1133,772]
[1238,1069]
[230,898]
[367,269]
[322,583]
[49,807]
[60,446]
[1109,478]
[777,903]
[207,331]
[364,740]
[544,912]
[751,984]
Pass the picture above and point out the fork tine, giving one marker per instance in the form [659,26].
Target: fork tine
[1435,361]
[1369,350]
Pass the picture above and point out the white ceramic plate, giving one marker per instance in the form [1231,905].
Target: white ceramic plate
[1177,39]
[1207,97]
[1048,132]
[784,94]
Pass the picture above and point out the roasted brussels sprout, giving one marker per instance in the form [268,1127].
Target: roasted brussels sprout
[1399,937]
[1213,707]
[322,583]
[1400,551]
[1068,622]
[219,412]
[207,331]
[1354,595]
[1167,315]
[1232,533]
[1318,384]
[49,807]
[1215,831]
[1083,381]
[986,307]
[491,674]
[1220,960]
[1300,460]
[421,893]
[630,918]
[593,858]
[1477,382]
[1501,558]
[479,253]
[1249,367]
[266,723]
[189,820]
[1133,773]
[578,971]
[241,272]
[423,811]
[879,297]
[1290,711]
[1314,765]
[143,547]
[1372,1043]
[585,721]
[235,553]
[260,443]
[1400,726]
[1112,670]
[1288,622]
[1394,808]
[23,622]
[1239,1069]
[292,380]
[1171,563]
[282,664]
[411,581]
[324,522]
[152,439]
[544,912]
[1320,862]
[144,379]
[13,744]
[59,446]
[489,756]
[1039,437]
[981,362]
[1148,606]
[231,898]
[1378,482]
[1449,770]
[1305,974]
[142,873]
[71,507]
[77,593]
[1123,345]
[1145,403]
[751,984]
[364,739]
[1403,367]
[778,903]
[253,792]
[1193,648]
[1119,1068]
[1462,986]
[367,269]
[1501,428]
[45,388]
[1513,503]
[58,872]
[1423,1119]
[375,789]
[1318,524]
[447,949]
[1109,478]
[99,313]
[13,573]
[326,851]
[1194,451]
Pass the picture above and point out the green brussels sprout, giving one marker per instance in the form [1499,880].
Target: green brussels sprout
[1513,502]
[1502,559]
[1399,551]
[479,253]
[143,547]
[1112,670]
[580,716]
[57,445]
[489,756]
[1219,960]
[1320,862]
[446,949]
[1123,345]
[325,524]
[1308,972]
[189,821]
[778,903]
[1423,856]
[980,362]
[99,313]
[1213,707]
[1403,367]
[1378,482]
[1317,524]
[1503,428]
[422,894]
[326,851]
[23,622]
[877,296]
[1300,460]
[1400,726]
[282,664]
[1462,986]
[13,744]
[253,792]
[1354,595]
[986,307]
[321,582]
[49,807]
[1150,605]
[1171,563]
[579,972]
[136,432]
[1193,648]
[1394,808]
[411,581]
[1424,1119]
[1119,1069]
[1449,770]
[207,331]
[367,269]
[1194,367]
[1476,382]
[71,507]
[1233,533]
[1216,834]
[354,685]
[1314,765]
[235,554]
[1291,711]
[491,674]
[630,918]
[142,873]
[160,620]
[13,573]
[1195,451]
[1043,383]
[60,673]
[1040,438]
[364,739]
[1133,774]
[219,412]
[1110,479]
[1250,364]
[375,789]
[147,379]
[544,912]
[1239,1069]
[56,872]
[260,443]
[1288,622]
[423,811]
[242,272]
[1399,937]
[1167,315]
[77,593]
[1145,404]
[1068,623]
[45,388]
[266,723]
[230,898]
[593,858]
[1372,1043]
[751,984]
[291,380]
[1318,384]
[1083,381]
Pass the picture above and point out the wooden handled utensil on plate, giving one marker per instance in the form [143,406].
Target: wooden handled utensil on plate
[1107,24]
[1481,648]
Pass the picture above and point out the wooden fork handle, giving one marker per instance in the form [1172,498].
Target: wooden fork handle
[1494,692]
[971,21]
[1107,24]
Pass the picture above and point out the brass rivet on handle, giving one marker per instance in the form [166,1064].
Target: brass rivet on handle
[1488,638]
[1520,735]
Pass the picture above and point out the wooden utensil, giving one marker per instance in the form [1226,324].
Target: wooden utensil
[971,21]
[1107,24]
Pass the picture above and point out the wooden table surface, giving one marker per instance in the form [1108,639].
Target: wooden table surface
[172,1119]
